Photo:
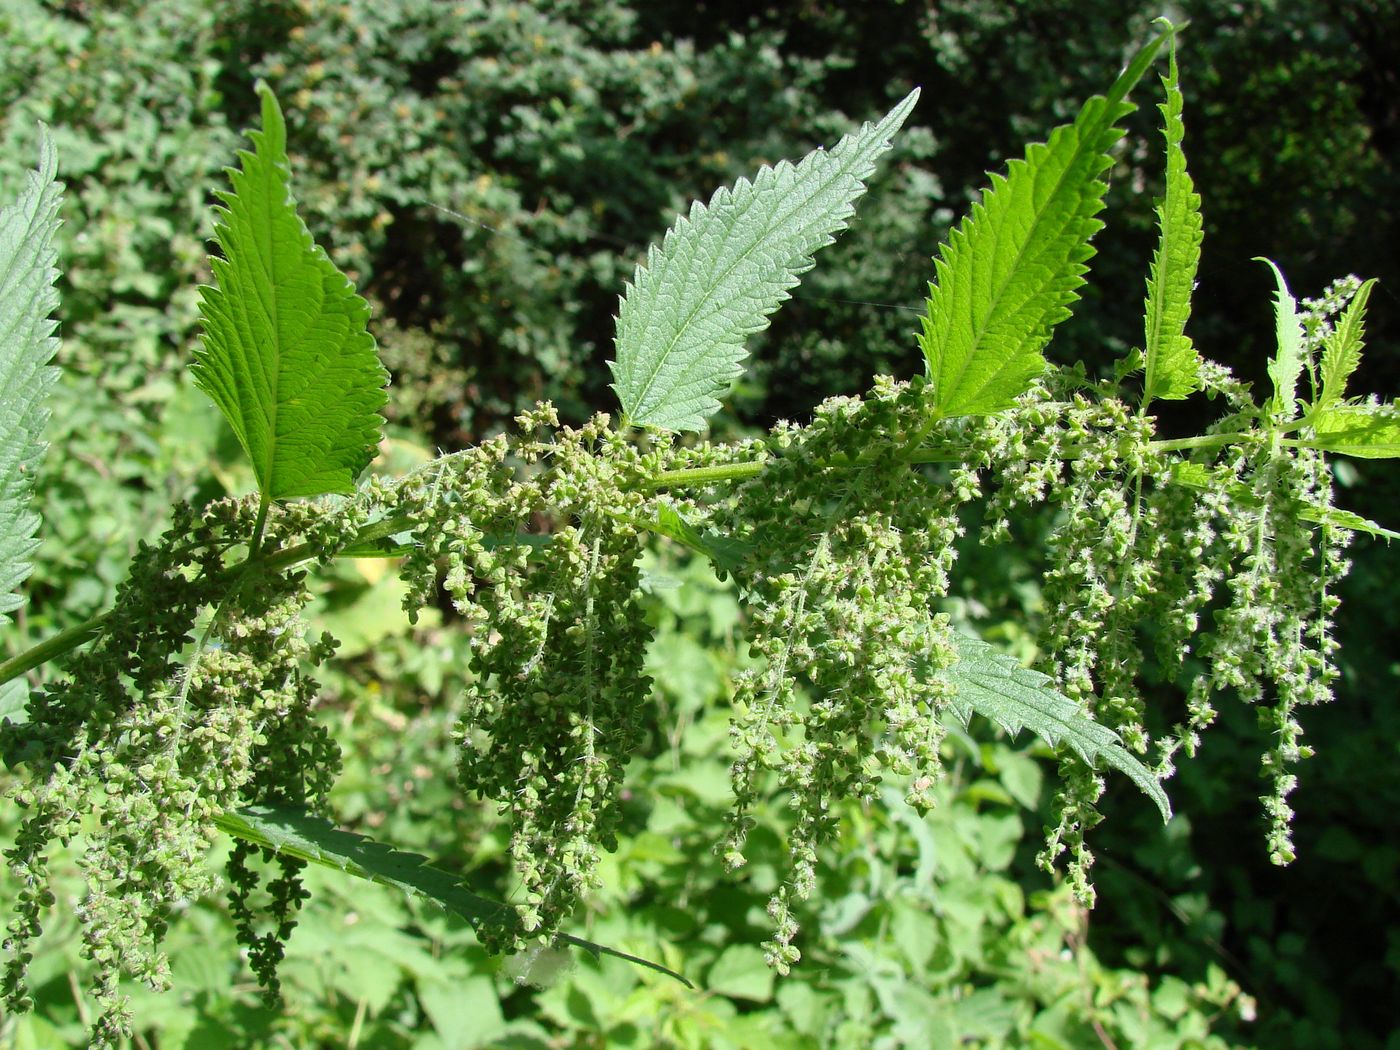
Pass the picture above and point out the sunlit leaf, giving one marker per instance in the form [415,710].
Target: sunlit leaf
[1287,362]
[28,298]
[286,353]
[1009,272]
[1341,350]
[1172,363]
[1361,431]
[722,270]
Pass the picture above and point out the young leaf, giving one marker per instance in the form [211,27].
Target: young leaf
[286,356]
[1341,350]
[1011,269]
[28,298]
[1345,519]
[296,833]
[1288,360]
[1361,431]
[1172,363]
[726,553]
[1198,476]
[723,269]
[1014,697]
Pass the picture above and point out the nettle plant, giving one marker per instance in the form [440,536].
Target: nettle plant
[187,710]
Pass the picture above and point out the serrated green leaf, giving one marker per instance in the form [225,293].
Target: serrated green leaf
[1011,269]
[286,353]
[1287,363]
[28,298]
[725,552]
[723,269]
[1171,361]
[295,833]
[1198,476]
[1341,350]
[997,687]
[1345,519]
[1361,431]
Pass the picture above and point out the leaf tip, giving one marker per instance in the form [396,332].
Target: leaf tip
[274,125]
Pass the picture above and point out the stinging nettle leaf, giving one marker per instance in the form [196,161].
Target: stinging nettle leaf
[296,833]
[724,268]
[286,353]
[1198,476]
[1341,349]
[997,687]
[1010,270]
[1345,519]
[726,553]
[28,298]
[1172,363]
[1287,363]
[1364,431]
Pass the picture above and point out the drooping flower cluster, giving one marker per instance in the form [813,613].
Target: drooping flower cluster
[849,550]
[158,729]
[558,637]
[196,697]
[1220,568]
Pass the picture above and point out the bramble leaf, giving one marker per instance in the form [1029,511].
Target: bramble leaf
[295,833]
[1172,363]
[724,268]
[28,269]
[1287,364]
[286,355]
[1341,350]
[1010,270]
[997,687]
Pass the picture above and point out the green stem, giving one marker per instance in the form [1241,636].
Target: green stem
[50,648]
[258,561]
[705,475]
[1187,444]
[255,544]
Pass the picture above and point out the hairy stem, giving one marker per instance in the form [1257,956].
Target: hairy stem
[51,648]
[273,561]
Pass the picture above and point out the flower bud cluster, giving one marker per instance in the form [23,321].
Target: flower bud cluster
[559,693]
[156,730]
[849,554]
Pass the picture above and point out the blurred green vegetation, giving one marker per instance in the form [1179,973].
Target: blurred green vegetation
[489,173]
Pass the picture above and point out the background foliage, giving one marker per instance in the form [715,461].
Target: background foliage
[488,174]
